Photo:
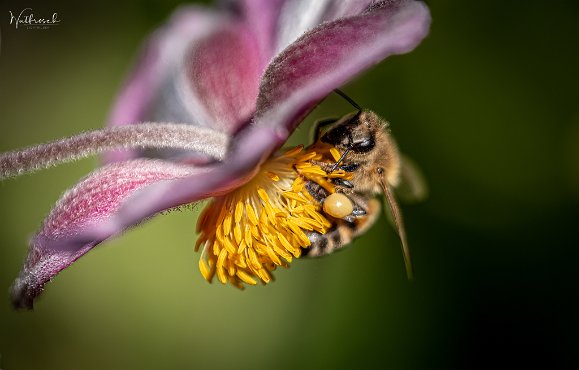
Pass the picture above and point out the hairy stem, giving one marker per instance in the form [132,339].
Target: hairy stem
[145,135]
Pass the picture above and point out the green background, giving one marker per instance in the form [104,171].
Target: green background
[487,106]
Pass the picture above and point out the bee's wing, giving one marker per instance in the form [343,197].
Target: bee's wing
[412,187]
[398,223]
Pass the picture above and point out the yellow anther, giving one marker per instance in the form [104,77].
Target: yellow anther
[238,212]
[335,154]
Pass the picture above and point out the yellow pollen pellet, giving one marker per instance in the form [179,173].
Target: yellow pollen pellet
[335,154]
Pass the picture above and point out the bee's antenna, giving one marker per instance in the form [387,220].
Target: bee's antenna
[348,99]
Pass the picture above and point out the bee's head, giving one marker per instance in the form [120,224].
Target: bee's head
[355,132]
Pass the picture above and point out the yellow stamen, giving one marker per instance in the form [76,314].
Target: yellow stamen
[335,154]
[246,233]
[238,212]
[272,176]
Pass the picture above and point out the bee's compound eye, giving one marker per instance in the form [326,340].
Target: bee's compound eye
[338,205]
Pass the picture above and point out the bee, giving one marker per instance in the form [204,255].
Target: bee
[369,154]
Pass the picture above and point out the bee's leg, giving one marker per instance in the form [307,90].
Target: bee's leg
[319,125]
[363,223]
[364,214]
[344,183]
[360,206]
[350,167]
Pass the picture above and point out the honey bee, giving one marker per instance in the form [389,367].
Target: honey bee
[370,155]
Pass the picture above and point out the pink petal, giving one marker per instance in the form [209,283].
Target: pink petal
[331,54]
[94,199]
[224,71]
[262,17]
[153,74]
[345,8]
[252,147]
[299,16]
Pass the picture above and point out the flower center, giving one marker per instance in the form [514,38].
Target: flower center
[263,224]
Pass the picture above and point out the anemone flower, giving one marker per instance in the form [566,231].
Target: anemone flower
[214,94]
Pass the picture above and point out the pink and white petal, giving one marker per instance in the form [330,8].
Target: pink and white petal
[262,17]
[299,16]
[154,72]
[96,198]
[332,54]
[223,70]
[345,8]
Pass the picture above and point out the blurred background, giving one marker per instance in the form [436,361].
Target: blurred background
[487,105]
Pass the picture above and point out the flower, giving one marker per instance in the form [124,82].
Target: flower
[239,81]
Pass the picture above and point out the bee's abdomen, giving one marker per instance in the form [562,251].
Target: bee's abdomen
[333,240]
